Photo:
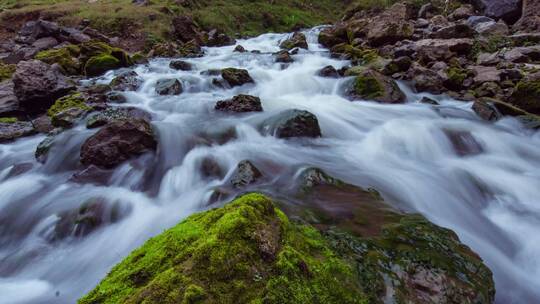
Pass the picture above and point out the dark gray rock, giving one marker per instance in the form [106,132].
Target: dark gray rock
[127,81]
[240,104]
[180,65]
[171,86]
[245,174]
[236,77]
[508,10]
[292,123]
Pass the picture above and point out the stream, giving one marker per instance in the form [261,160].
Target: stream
[485,185]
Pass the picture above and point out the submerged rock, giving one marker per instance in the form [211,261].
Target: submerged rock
[170,86]
[127,81]
[328,71]
[245,174]
[292,123]
[180,65]
[118,141]
[239,104]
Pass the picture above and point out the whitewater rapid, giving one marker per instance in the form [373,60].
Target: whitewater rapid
[489,194]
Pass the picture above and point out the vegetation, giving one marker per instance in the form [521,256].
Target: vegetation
[122,17]
[6,70]
[8,120]
[67,102]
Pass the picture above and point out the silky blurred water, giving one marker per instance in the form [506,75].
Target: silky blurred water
[489,193]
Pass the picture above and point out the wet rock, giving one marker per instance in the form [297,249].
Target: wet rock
[127,81]
[240,49]
[92,175]
[115,97]
[426,80]
[116,114]
[67,118]
[526,96]
[297,40]
[245,174]
[508,10]
[236,77]
[117,142]
[218,38]
[292,123]
[372,85]
[240,104]
[334,35]
[43,148]
[180,65]
[37,85]
[13,129]
[328,72]
[169,49]
[9,104]
[284,57]
[43,124]
[427,100]
[91,215]
[171,86]
[463,142]
[210,168]
[485,111]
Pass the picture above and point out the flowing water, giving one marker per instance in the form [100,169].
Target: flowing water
[480,179]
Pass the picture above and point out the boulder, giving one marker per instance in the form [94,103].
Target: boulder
[240,104]
[426,80]
[292,123]
[458,30]
[190,49]
[508,10]
[333,35]
[441,49]
[118,141]
[297,40]
[110,115]
[485,74]
[526,96]
[523,54]
[245,174]
[37,85]
[485,111]
[462,12]
[171,86]
[372,85]
[492,28]
[11,129]
[530,17]
[127,81]
[9,104]
[218,38]
[328,72]
[284,57]
[390,27]
[239,49]
[185,30]
[180,65]
[236,77]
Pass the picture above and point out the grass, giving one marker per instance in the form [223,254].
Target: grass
[236,17]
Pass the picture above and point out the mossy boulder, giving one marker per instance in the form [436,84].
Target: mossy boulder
[100,64]
[297,40]
[245,252]
[526,96]
[66,57]
[75,100]
[372,85]
[6,70]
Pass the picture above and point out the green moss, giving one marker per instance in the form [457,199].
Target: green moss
[368,87]
[491,44]
[8,119]
[67,102]
[456,76]
[246,252]
[66,57]
[526,96]
[99,64]
[6,70]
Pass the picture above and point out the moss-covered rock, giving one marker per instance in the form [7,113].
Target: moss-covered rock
[6,70]
[66,57]
[8,120]
[526,96]
[372,85]
[75,100]
[246,252]
[100,64]
[345,245]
